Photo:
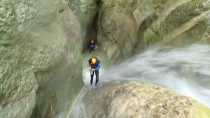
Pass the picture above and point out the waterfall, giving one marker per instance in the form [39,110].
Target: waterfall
[183,70]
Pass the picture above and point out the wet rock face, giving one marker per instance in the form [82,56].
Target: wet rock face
[86,11]
[40,48]
[117,28]
[126,27]
[137,100]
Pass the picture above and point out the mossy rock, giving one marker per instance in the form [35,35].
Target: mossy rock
[200,111]
[126,99]
[144,23]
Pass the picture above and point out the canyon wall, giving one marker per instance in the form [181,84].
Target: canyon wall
[128,27]
[40,56]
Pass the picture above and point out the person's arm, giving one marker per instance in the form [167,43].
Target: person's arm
[89,62]
[98,66]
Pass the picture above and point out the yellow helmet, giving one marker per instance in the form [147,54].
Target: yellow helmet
[93,60]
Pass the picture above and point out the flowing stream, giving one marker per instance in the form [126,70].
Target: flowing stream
[184,70]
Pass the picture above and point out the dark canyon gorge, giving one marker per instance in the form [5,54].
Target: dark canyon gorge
[155,56]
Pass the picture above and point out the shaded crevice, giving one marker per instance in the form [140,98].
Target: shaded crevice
[143,27]
[92,29]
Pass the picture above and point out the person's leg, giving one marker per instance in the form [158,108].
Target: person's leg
[91,80]
[90,50]
[97,77]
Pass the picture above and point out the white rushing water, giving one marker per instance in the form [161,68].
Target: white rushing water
[184,70]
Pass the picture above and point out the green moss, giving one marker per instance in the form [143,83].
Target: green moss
[152,37]
[181,15]
[201,111]
[159,4]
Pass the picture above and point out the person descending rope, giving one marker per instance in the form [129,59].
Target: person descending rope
[95,65]
[92,45]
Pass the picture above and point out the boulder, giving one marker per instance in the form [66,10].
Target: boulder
[140,100]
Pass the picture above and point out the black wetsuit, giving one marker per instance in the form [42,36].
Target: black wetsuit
[96,68]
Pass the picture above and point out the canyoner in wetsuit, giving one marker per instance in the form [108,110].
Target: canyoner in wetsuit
[92,45]
[95,65]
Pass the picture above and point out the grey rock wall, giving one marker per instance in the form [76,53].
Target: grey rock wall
[128,27]
[40,48]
